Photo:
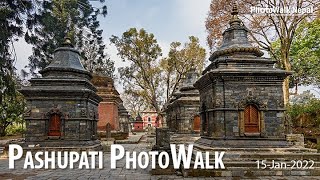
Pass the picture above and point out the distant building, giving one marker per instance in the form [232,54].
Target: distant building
[150,119]
[138,124]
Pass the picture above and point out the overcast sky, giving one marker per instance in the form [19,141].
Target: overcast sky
[168,20]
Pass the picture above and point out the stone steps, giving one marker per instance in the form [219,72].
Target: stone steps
[244,143]
[1,150]
[201,147]
[267,156]
[248,173]
[250,164]
[249,169]
[248,158]
[242,162]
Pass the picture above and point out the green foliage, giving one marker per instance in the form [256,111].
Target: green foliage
[304,54]
[143,76]
[150,81]
[11,111]
[308,111]
[12,15]
[11,27]
[76,19]
[180,61]
[15,129]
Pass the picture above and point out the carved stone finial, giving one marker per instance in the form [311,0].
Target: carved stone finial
[234,8]
[67,42]
[235,21]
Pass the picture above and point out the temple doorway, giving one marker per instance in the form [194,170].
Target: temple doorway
[251,119]
[54,125]
[196,124]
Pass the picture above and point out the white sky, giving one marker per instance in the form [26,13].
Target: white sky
[168,20]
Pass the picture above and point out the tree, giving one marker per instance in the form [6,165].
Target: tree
[304,111]
[134,103]
[181,60]
[11,109]
[76,19]
[305,54]
[143,76]
[12,14]
[264,28]
[94,62]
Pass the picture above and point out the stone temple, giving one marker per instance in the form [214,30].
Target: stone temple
[241,94]
[182,112]
[242,112]
[62,104]
[109,106]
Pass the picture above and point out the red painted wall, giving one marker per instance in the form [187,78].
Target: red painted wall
[108,113]
[138,126]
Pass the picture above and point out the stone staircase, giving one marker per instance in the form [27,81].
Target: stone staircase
[184,138]
[243,162]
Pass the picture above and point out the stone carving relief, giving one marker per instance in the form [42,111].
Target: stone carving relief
[83,112]
[218,102]
[252,100]
[91,112]
[67,115]
[54,110]
[280,103]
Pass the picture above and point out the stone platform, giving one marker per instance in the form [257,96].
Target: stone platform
[243,142]
[184,138]
[242,162]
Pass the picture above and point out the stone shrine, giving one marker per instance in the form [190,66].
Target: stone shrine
[109,106]
[182,112]
[124,119]
[138,124]
[242,113]
[241,92]
[62,105]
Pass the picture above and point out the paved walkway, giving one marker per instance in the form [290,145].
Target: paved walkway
[132,139]
[120,173]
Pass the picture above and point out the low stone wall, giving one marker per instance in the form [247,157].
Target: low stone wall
[296,140]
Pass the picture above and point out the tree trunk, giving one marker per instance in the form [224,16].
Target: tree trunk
[285,88]
[2,131]
[286,66]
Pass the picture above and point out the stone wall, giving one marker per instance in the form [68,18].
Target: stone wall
[78,122]
[62,105]
[224,115]
[183,108]
[108,113]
